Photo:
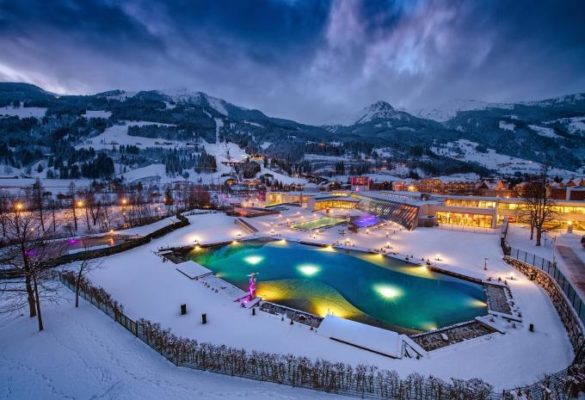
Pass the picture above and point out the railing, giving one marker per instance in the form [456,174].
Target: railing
[568,383]
[551,269]
[463,228]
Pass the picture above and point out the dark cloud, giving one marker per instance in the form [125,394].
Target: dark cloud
[312,60]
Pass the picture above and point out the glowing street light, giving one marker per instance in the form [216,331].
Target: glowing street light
[80,203]
[19,206]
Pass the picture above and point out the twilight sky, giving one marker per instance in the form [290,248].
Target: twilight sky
[310,60]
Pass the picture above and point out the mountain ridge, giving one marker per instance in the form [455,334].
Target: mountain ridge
[548,131]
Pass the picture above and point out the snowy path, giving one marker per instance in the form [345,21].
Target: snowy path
[83,354]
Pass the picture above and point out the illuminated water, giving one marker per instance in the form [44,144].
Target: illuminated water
[367,288]
[318,223]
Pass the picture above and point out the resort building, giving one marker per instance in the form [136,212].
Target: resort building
[412,209]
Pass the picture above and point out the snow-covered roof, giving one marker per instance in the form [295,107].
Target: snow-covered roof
[193,270]
[378,340]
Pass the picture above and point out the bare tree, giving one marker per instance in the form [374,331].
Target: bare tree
[4,210]
[53,207]
[26,258]
[198,197]
[37,200]
[539,205]
[93,205]
[73,204]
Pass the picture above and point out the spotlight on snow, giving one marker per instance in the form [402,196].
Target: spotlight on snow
[253,260]
[388,292]
[308,270]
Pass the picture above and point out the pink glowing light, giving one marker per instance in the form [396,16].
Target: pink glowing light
[252,286]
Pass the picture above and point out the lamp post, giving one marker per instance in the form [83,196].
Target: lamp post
[81,204]
[73,207]
[485,263]
[124,202]
[18,207]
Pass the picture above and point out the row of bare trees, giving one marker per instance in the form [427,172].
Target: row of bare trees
[90,211]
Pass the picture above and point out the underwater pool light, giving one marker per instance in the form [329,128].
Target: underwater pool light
[388,292]
[308,269]
[253,260]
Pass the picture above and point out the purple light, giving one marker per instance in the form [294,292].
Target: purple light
[365,221]
[73,241]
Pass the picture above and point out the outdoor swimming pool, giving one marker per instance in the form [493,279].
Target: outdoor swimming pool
[323,222]
[367,288]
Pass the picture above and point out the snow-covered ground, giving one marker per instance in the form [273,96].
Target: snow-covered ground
[118,135]
[449,109]
[507,126]
[575,125]
[83,354]
[543,131]
[465,150]
[97,114]
[14,185]
[23,112]
[150,288]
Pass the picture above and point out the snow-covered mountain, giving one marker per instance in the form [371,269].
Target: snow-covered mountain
[449,109]
[197,98]
[161,123]
[378,110]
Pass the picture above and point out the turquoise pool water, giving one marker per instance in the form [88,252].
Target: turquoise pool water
[367,288]
[323,222]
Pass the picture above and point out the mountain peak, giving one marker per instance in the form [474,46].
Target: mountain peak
[380,105]
[378,110]
[184,95]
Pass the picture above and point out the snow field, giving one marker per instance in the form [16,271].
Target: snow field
[84,354]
